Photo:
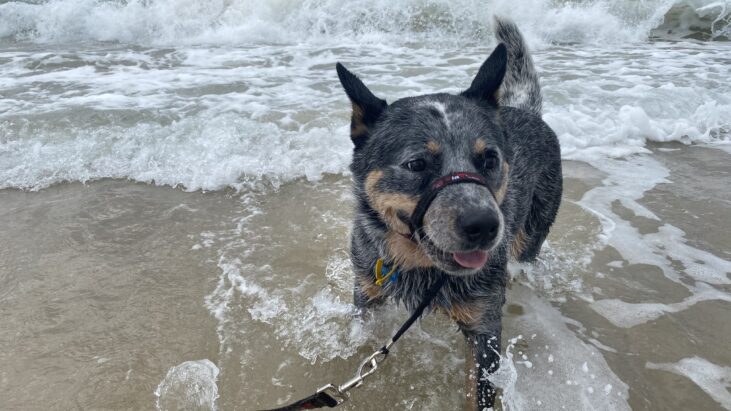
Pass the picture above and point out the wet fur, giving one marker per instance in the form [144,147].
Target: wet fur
[526,188]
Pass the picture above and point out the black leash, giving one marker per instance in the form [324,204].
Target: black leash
[333,395]
[430,294]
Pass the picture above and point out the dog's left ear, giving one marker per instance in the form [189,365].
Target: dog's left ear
[367,108]
[486,85]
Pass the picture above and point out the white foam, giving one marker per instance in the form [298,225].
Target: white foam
[621,185]
[721,145]
[239,21]
[641,111]
[714,379]
[664,248]
[627,315]
[190,385]
[197,152]
[211,117]
[318,327]
[557,357]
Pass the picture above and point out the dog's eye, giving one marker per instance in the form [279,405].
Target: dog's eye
[489,161]
[415,165]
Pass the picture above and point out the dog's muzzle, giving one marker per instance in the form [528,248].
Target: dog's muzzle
[416,222]
[476,229]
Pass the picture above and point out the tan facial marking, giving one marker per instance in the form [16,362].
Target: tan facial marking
[480,145]
[500,193]
[406,254]
[389,204]
[518,245]
[433,147]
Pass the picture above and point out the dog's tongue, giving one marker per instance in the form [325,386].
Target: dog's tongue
[472,259]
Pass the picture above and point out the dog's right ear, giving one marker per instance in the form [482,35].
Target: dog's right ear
[367,108]
[486,85]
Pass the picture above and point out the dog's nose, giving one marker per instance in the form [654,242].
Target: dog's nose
[479,226]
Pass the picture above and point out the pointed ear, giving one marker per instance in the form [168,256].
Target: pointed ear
[367,108]
[486,85]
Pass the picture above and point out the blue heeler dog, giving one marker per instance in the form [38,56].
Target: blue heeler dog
[493,136]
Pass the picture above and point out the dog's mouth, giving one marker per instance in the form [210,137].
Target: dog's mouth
[471,259]
[454,262]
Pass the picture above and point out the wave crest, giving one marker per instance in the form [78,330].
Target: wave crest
[277,21]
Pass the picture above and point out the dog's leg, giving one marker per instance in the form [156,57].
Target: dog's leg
[482,358]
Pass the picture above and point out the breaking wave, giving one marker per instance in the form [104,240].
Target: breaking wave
[275,21]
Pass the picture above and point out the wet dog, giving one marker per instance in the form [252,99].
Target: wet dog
[492,133]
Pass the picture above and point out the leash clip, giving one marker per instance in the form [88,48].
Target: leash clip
[366,369]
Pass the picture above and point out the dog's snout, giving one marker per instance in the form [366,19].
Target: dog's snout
[479,227]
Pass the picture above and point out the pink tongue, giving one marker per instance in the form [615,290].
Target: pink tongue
[473,259]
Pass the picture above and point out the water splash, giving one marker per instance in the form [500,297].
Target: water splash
[189,386]
[246,21]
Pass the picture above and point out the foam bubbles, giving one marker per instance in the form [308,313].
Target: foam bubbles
[190,385]
[627,315]
[238,21]
[665,248]
[616,110]
[714,379]
[197,152]
[557,358]
[210,118]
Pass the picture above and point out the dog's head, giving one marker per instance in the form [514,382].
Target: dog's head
[401,149]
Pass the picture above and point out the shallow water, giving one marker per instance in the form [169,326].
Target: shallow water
[110,285]
[175,206]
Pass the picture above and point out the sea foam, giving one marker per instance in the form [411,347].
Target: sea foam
[210,118]
[235,22]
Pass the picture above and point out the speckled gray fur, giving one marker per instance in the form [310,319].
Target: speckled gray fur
[399,132]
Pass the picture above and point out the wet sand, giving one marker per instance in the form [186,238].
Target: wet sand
[106,286]
[101,292]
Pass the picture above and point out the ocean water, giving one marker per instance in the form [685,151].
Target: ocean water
[176,207]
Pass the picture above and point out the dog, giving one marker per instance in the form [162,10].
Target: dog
[406,155]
